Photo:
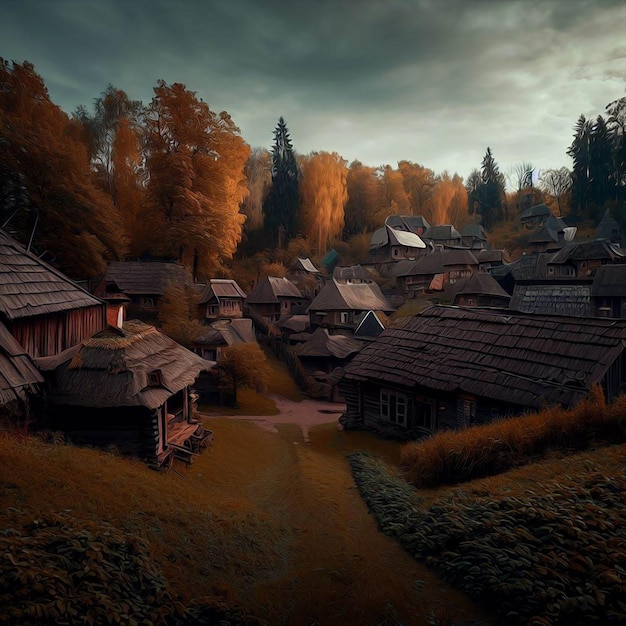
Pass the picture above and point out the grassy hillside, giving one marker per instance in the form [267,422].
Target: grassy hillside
[538,544]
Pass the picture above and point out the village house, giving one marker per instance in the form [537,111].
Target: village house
[473,236]
[43,309]
[534,216]
[306,277]
[444,235]
[609,229]
[144,282]
[351,274]
[221,298]
[339,304]
[608,292]
[479,290]
[391,244]
[490,258]
[130,387]
[452,367]
[274,297]
[324,352]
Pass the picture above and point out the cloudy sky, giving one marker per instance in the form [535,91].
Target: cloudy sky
[431,81]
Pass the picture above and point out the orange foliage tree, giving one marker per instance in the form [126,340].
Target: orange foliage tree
[449,201]
[259,176]
[364,210]
[395,197]
[77,223]
[196,182]
[324,192]
[418,182]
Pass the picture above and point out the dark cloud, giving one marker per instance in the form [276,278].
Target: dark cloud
[431,81]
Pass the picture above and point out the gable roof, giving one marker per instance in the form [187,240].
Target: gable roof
[235,331]
[321,343]
[351,272]
[442,231]
[480,283]
[372,324]
[146,277]
[220,288]
[588,250]
[537,210]
[388,235]
[458,257]
[271,289]
[474,230]
[18,375]
[336,296]
[305,265]
[608,228]
[29,286]
[526,360]
[112,369]
[609,281]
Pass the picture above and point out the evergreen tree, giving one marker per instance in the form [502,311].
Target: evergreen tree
[281,205]
[601,171]
[485,191]
[579,151]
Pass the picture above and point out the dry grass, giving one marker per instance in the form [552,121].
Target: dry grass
[281,383]
[452,457]
[261,520]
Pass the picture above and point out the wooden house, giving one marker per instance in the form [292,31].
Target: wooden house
[443,235]
[274,297]
[474,236]
[410,223]
[339,304]
[490,258]
[351,274]
[534,216]
[608,292]
[392,244]
[324,352]
[371,324]
[451,367]
[479,290]
[609,229]
[130,387]
[221,334]
[458,264]
[20,380]
[306,277]
[43,309]
[144,282]
[221,298]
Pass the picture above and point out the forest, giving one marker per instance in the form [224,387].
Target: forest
[172,179]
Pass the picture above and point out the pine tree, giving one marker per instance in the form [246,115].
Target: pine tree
[579,151]
[281,205]
[601,171]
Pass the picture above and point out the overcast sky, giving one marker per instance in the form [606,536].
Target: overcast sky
[431,81]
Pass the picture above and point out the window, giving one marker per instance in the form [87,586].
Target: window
[344,317]
[424,415]
[147,303]
[394,407]
[467,412]
[155,379]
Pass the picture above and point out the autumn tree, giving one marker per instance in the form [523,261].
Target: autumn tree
[41,146]
[240,366]
[281,204]
[419,183]
[449,201]
[196,181]
[258,173]
[177,313]
[394,194]
[364,210]
[324,192]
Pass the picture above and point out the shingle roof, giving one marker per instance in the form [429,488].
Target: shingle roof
[572,300]
[18,375]
[112,369]
[271,288]
[609,280]
[443,231]
[474,230]
[29,286]
[588,250]
[479,284]
[510,357]
[538,210]
[608,228]
[336,296]
[322,344]
[146,277]
[220,288]
[344,273]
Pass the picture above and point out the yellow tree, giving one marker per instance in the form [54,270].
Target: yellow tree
[449,201]
[365,206]
[396,199]
[259,176]
[324,192]
[196,181]
[418,182]
[240,366]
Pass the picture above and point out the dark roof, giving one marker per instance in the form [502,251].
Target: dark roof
[296,323]
[478,284]
[490,256]
[235,331]
[395,237]
[442,232]
[608,228]
[271,288]
[219,288]
[525,360]
[321,343]
[588,250]
[544,235]
[18,375]
[530,266]
[609,280]
[146,277]
[29,286]
[550,299]
[538,210]
[112,369]
[410,223]
[474,230]
[336,296]
[458,257]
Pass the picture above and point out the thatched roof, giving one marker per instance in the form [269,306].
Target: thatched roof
[146,277]
[29,286]
[295,322]
[322,344]
[526,360]
[112,369]
[235,331]
[18,375]
[219,288]
[336,296]
[272,289]
[458,257]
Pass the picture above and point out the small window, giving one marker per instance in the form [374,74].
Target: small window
[147,303]
[394,407]
[155,379]
[344,317]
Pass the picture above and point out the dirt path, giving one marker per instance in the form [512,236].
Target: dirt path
[340,569]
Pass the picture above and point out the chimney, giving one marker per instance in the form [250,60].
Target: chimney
[116,309]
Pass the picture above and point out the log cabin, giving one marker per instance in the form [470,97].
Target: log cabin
[452,367]
[43,309]
[273,298]
[221,298]
[131,387]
